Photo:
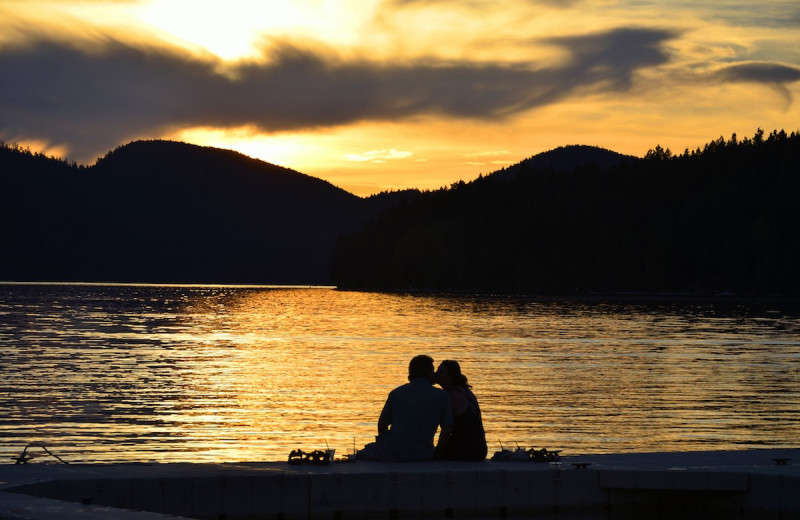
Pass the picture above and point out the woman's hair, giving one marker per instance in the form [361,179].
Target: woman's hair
[454,369]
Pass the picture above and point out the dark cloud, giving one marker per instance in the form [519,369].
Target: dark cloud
[610,59]
[93,100]
[771,74]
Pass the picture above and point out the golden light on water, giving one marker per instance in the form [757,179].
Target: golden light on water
[212,374]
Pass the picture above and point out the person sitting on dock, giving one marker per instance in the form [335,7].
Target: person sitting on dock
[410,417]
[468,441]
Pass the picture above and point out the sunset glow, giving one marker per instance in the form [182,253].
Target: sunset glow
[389,94]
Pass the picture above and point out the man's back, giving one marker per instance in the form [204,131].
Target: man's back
[415,410]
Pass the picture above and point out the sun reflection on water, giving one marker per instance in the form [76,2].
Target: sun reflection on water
[141,373]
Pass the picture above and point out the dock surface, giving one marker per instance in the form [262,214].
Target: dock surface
[750,484]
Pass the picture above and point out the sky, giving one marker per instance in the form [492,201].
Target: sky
[375,95]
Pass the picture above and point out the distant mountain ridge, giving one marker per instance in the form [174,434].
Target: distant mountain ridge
[723,219]
[576,219]
[207,165]
[566,158]
[166,211]
[161,211]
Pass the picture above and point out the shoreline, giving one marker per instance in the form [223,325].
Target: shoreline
[621,296]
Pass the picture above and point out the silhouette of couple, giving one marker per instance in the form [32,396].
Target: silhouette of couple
[414,411]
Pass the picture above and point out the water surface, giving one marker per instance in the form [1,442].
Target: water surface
[216,373]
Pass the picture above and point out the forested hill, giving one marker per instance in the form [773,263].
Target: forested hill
[566,158]
[723,218]
[159,211]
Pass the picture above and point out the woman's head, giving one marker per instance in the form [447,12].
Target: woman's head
[449,374]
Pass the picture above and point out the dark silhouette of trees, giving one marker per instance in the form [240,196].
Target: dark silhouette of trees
[722,219]
[162,211]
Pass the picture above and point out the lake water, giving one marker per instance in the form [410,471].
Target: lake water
[219,374]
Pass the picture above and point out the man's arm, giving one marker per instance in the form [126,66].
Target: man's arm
[383,426]
[385,418]
[446,424]
[444,437]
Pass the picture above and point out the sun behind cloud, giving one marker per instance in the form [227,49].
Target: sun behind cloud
[239,29]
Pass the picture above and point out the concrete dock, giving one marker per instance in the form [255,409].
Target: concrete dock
[752,484]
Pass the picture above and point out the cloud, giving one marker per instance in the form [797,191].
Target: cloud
[493,153]
[611,58]
[774,75]
[95,99]
[773,14]
[378,156]
[760,73]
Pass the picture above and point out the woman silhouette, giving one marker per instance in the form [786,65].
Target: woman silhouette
[468,441]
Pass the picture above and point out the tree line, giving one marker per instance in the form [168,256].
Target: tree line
[721,219]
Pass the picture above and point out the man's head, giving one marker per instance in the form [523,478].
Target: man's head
[421,366]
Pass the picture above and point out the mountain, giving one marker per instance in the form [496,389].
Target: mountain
[574,220]
[721,219]
[566,158]
[160,211]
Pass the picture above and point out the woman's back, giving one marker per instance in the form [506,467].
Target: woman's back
[468,441]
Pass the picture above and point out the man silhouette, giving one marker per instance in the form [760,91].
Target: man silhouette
[410,417]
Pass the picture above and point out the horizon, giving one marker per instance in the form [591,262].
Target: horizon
[345,92]
[24,149]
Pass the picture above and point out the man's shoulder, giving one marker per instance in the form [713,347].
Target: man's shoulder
[436,392]
[417,387]
[400,389]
